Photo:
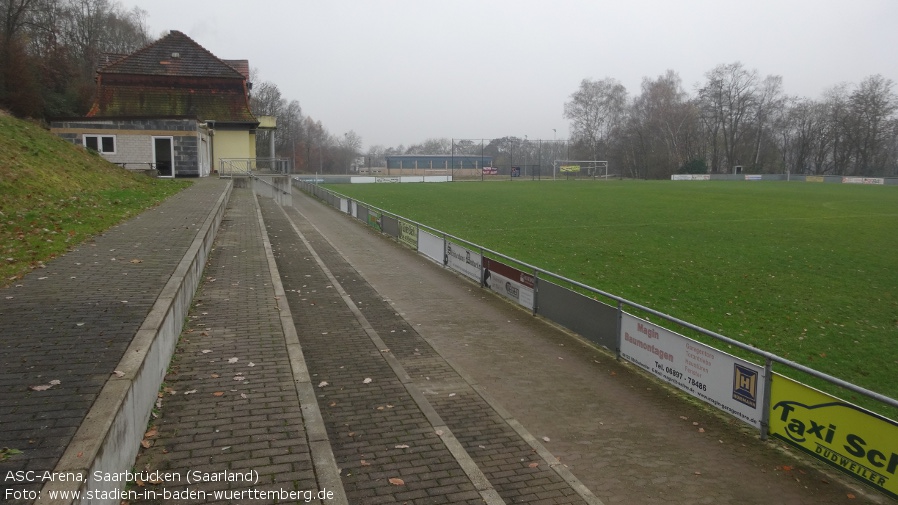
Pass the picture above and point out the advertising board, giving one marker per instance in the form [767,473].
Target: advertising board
[374,220]
[408,234]
[463,260]
[863,180]
[431,246]
[509,282]
[720,379]
[854,440]
[690,177]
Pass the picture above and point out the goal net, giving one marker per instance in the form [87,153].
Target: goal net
[581,169]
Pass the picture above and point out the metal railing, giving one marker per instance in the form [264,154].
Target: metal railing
[243,167]
[768,357]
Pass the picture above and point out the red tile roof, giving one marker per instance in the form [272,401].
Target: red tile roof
[175,54]
[174,76]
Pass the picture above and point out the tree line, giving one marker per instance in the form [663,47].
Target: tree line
[301,138]
[50,51]
[736,118]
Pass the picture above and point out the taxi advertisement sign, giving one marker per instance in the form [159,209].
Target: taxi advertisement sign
[854,440]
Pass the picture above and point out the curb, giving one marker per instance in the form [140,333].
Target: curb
[108,438]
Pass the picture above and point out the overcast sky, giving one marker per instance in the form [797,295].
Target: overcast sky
[400,72]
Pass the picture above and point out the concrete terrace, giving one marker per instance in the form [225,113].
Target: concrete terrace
[316,356]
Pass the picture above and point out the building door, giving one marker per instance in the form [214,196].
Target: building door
[164,156]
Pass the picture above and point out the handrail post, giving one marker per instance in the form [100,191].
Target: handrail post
[481,268]
[765,408]
[620,323]
[535,290]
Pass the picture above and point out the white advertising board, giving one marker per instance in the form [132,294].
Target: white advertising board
[509,282]
[713,376]
[464,260]
[863,180]
[430,245]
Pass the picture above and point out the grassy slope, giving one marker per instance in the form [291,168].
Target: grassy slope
[807,271]
[54,195]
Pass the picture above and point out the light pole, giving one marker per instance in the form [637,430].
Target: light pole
[554,150]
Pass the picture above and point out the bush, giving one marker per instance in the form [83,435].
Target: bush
[694,167]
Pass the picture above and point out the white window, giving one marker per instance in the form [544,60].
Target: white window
[100,143]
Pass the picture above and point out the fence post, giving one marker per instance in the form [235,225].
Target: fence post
[768,383]
[481,268]
[620,322]
[535,290]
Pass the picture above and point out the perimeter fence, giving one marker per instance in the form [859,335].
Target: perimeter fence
[856,440]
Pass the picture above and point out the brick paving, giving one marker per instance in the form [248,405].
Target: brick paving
[322,368]
[376,429]
[229,403]
[512,466]
[72,321]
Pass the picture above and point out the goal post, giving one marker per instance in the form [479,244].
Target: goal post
[592,169]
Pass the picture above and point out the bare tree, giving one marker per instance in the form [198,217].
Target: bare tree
[662,126]
[729,100]
[768,107]
[431,146]
[595,110]
[871,107]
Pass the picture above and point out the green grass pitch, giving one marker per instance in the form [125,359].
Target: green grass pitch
[806,271]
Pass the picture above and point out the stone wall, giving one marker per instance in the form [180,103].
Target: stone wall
[134,140]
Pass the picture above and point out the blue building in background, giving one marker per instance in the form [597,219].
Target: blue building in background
[438,161]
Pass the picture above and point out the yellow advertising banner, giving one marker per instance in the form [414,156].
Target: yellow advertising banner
[854,440]
[408,234]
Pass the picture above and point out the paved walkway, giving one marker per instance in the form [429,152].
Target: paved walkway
[72,322]
[626,437]
[320,357]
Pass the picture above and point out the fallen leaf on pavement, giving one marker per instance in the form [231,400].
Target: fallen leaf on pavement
[397,481]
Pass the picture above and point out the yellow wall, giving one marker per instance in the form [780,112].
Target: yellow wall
[233,144]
